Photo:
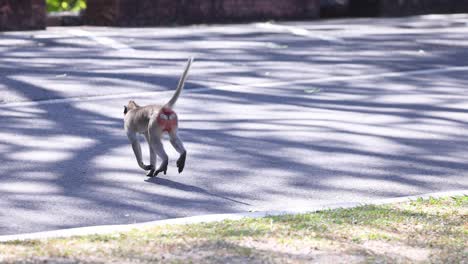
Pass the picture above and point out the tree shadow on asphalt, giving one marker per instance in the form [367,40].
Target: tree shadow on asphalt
[188,188]
[328,154]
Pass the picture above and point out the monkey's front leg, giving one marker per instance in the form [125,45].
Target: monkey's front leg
[137,151]
[152,157]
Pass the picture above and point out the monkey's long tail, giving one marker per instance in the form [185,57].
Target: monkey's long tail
[180,86]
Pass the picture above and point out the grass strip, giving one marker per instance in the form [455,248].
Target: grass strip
[421,231]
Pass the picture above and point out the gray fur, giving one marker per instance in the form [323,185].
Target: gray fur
[143,120]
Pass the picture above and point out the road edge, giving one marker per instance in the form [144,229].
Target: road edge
[107,229]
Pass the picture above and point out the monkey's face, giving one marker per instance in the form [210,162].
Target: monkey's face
[131,105]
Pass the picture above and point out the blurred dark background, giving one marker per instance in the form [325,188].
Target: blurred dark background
[38,14]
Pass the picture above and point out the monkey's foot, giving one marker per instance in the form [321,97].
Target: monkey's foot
[150,173]
[162,168]
[181,162]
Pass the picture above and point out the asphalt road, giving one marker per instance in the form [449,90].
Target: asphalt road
[274,116]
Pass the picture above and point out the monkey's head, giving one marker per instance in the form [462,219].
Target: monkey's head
[130,106]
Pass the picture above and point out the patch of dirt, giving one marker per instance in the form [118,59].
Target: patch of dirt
[397,251]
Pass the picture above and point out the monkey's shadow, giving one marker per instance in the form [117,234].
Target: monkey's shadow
[189,188]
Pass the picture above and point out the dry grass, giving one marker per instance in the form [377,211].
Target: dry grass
[423,231]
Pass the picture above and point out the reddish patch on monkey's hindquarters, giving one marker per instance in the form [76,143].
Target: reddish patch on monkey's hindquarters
[167,119]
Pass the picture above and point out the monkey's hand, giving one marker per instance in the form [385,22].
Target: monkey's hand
[162,168]
[181,162]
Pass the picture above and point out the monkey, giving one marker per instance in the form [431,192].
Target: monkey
[153,121]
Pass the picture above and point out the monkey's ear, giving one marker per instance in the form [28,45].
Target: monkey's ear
[125,109]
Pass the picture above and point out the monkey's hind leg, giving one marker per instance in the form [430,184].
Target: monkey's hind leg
[179,146]
[157,146]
